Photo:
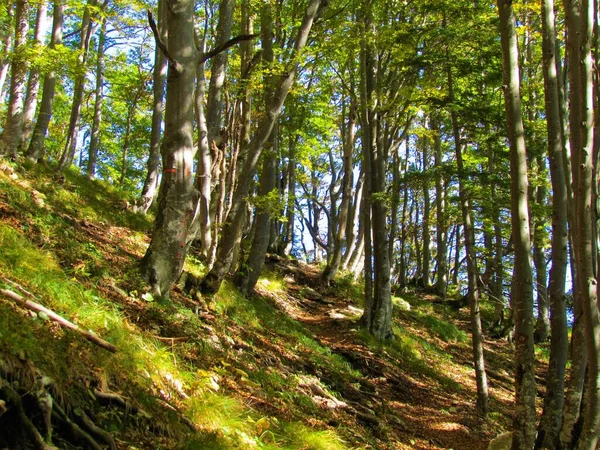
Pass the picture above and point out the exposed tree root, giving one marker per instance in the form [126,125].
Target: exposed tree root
[94,429]
[12,401]
[74,429]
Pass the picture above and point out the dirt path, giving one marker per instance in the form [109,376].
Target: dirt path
[411,411]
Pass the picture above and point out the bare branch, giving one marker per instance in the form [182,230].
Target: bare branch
[173,63]
[230,43]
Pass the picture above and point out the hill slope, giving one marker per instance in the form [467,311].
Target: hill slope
[287,368]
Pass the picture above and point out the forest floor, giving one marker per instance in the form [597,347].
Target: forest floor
[285,368]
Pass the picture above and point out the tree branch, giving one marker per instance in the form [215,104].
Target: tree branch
[33,306]
[173,63]
[230,43]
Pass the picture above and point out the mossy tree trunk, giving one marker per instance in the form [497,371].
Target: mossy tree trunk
[163,261]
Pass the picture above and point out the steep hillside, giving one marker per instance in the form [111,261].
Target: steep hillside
[287,368]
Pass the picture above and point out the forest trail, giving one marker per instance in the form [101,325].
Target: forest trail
[285,368]
[410,407]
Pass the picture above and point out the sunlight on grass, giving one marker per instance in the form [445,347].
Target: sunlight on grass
[271,282]
[298,436]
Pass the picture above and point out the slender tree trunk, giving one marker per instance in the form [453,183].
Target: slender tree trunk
[159,77]
[36,146]
[231,233]
[342,220]
[540,237]
[68,154]
[268,179]
[165,256]
[472,270]
[7,41]
[11,135]
[550,422]
[584,242]
[524,431]
[288,236]
[426,213]
[441,284]
[33,84]
[97,122]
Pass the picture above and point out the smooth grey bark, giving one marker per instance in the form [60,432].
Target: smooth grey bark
[340,233]
[473,293]
[33,83]
[441,284]
[540,238]
[249,274]
[551,419]
[232,228]
[287,242]
[426,213]
[524,429]
[7,40]
[68,153]
[11,135]
[378,308]
[159,76]
[97,121]
[165,256]
[354,250]
[584,239]
[36,146]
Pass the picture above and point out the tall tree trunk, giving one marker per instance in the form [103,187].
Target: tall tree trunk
[540,237]
[97,121]
[232,229]
[441,283]
[68,154]
[33,84]
[7,41]
[268,179]
[524,431]
[550,422]
[159,77]
[287,242]
[11,135]
[36,146]
[342,220]
[165,256]
[472,270]
[584,237]
[426,213]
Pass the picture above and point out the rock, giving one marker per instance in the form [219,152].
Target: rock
[501,442]
[311,294]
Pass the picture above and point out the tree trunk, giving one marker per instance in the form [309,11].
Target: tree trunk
[232,228]
[540,237]
[11,135]
[441,283]
[524,431]
[33,84]
[472,270]
[426,212]
[584,237]
[36,146]
[97,121]
[7,41]
[551,420]
[68,154]
[342,220]
[165,256]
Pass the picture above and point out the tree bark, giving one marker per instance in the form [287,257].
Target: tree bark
[11,135]
[551,419]
[232,229]
[163,261]
[441,283]
[36,146]
[524,431]
[68,154]
[97,121]
[33,84]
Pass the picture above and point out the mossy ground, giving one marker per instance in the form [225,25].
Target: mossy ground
[274,370]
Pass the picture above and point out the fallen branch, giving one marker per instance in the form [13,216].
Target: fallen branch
[111,397]
[34,306]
